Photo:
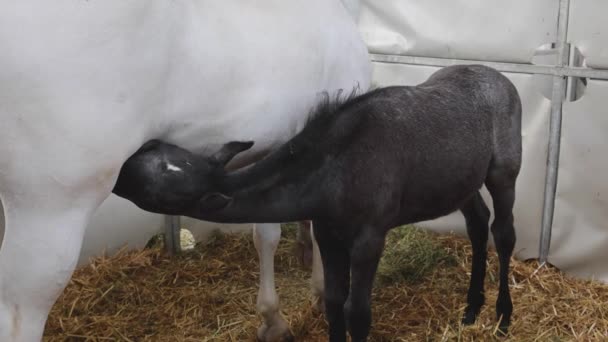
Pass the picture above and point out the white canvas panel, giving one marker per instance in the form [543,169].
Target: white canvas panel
[579,243]
[530,185]
[492,30]
[202,229]
[588,30]
[115,224]
[119,223]
[1,223]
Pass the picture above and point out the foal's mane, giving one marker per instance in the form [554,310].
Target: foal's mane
[329,109]
[331,120]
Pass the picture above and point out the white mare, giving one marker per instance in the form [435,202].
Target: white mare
[83,84]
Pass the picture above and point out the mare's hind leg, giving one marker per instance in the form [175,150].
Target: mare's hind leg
[501,184]
[477,215]
[303,246]
[274,328]
[317,282]
[307,250]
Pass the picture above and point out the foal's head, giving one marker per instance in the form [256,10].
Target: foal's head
[168,179]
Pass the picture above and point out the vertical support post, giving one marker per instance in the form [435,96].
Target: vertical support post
[172,234]
[555,126]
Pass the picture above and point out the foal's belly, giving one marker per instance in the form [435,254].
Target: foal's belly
[442,183]
[442,195]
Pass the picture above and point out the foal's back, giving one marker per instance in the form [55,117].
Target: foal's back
[424,150]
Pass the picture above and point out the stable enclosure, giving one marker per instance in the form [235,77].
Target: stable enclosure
[556,54]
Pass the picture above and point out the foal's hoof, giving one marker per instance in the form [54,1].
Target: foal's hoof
[504,309]
[470,315]
[275,333]
[502,331]
[503,327]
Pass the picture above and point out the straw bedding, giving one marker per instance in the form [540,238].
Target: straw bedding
[209,294]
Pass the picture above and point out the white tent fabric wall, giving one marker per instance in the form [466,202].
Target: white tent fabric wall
[1,223]
[118,223]
[588,30]
[579,240]
[502,31]
[491,30]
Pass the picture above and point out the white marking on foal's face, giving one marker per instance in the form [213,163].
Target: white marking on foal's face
[171,167]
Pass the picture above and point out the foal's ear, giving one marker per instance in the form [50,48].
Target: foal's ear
[213,202]
[150,145]
[231,149]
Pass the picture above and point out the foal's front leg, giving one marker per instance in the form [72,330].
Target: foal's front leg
[336,268]
[365,255]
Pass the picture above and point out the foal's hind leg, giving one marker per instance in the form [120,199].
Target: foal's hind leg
[477,215]
[501,184]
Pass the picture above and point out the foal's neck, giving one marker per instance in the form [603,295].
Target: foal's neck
[275,189]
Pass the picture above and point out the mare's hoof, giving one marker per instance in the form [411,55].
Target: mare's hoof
[275,333]
[318,304]
[303,253]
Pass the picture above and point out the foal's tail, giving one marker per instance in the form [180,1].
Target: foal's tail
[507,121]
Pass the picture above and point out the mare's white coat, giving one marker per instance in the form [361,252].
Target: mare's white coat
[83,84]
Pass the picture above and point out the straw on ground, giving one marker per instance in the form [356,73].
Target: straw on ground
[209,295]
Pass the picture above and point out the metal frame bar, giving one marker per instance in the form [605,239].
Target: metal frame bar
[172,234]
[553,70]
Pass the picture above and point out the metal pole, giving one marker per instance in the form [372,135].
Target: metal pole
[555,127]
[555,70]
[172,234]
